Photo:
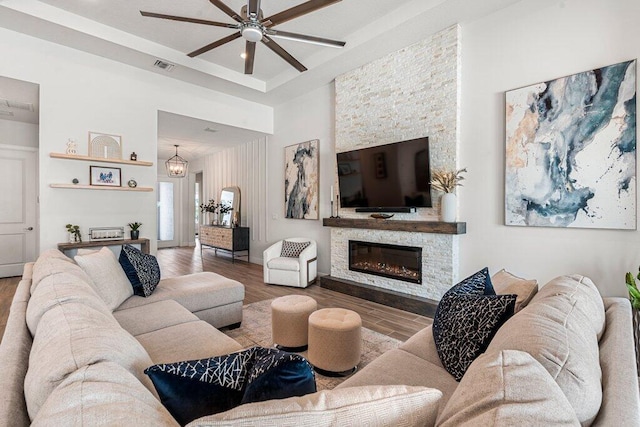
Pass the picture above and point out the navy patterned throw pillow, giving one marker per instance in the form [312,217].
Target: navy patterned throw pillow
[466,320]
[195,388]
[293,249]
[141,269]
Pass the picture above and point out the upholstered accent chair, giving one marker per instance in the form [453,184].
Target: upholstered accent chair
[291,262]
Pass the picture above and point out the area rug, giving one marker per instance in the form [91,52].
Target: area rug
[256,330]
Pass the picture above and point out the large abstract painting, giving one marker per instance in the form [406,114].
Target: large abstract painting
[571,151]
[301,180]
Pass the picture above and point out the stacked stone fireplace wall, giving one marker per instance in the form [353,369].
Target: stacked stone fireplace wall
[408,94]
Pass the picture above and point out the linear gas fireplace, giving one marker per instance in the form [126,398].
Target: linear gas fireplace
[393,261]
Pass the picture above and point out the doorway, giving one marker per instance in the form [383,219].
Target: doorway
[19,141]
[168,197]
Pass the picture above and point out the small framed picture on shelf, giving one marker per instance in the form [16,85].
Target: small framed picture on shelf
[105,176]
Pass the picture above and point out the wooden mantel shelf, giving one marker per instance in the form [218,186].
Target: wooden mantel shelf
[437,227]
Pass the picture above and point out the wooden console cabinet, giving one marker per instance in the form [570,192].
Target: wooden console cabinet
[225,238]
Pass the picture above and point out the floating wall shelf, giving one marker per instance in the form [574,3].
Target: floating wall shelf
[99,159]
[99,187]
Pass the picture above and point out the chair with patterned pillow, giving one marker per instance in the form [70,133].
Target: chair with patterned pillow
[291,262]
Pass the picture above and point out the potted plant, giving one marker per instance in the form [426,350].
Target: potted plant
[135,230]
[74,233]
[447,181]
[634,297]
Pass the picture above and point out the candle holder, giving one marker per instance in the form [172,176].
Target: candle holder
[332,210]
[337,206]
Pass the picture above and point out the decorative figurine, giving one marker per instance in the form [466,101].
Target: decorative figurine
[134,157]
[132,183]
[72,146]
[75,180]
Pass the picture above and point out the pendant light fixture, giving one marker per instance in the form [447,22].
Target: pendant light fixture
[177,167]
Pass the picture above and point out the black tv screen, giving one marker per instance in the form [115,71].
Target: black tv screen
[386,176]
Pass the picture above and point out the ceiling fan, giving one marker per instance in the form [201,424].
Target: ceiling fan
[253,27]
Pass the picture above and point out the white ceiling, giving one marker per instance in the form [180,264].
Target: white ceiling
[115,29]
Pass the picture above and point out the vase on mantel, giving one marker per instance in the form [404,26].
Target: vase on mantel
[448,207]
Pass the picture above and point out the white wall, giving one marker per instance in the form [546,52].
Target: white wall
[530,42]
[80,93]
[310,116]
[18,133]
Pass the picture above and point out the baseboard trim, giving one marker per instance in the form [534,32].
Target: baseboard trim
[418,305]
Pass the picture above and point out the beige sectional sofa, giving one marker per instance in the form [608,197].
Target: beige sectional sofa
[567,358]
[71,360]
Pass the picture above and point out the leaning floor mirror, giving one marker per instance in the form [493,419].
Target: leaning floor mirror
[230,196]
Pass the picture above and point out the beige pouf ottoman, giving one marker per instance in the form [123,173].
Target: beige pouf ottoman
[289,321]
[335,341]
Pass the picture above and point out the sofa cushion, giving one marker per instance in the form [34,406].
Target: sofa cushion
[399,367]
[141,269]
[507,388]
[107,274]
[293,249]
[195,388]
[284,263]
[102,394]
[152,317]
[61,288]
[423,345]
[506,283]
[53,261]
[372,406]
[560,328]
[195,292]
[186,341]
[466,319]
[74,335]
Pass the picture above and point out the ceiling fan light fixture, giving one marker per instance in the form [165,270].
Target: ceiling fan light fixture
[252,31]
[177,167]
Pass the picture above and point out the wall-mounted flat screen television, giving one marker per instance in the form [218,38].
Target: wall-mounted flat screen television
[386,177]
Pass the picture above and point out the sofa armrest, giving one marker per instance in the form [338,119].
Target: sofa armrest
[620,395]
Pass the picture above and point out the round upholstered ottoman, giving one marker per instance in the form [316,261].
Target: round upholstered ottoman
[289,321]
[335,341]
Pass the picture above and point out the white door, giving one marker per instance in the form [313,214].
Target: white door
[17,209]
[168,212]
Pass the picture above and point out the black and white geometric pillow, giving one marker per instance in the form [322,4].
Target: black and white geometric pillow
[293,249]
[195,388]
[466,320]
[464,325]
[478,283]
[141,269]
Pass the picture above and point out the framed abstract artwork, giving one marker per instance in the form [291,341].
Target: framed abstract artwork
[105,176]
[301,180]
[105,146]
[570,157]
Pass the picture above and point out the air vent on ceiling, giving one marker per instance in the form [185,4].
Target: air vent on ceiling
[210,130]
[6,113]
[163,65]
[17,105]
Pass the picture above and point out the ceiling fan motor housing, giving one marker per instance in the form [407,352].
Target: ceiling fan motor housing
[252,31]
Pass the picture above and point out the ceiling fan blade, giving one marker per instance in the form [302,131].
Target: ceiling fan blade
[185,19]
[283,54]
[226,9]
[215,44]
[250,52]
[306,39]
[253,8]
[296,11]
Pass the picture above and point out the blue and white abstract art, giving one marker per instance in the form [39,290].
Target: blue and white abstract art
[571,151]
[301,180]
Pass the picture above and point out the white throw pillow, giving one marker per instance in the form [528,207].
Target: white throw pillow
[110,280]
[373,406]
